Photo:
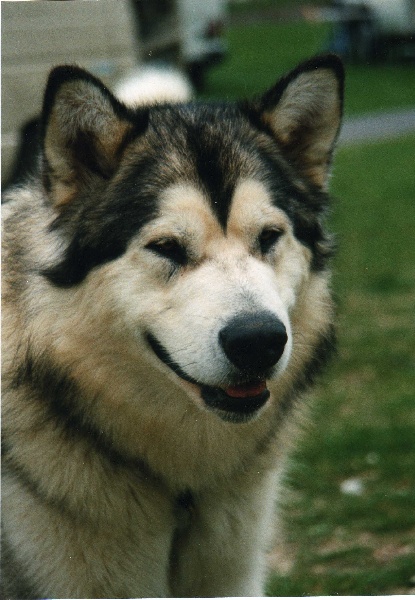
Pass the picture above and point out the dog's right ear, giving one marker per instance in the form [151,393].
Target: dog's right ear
[85,129]
[303,113]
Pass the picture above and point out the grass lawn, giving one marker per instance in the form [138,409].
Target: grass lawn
[350,507]
[259,54]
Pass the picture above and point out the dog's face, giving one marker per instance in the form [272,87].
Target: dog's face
[201,224]
[213,303]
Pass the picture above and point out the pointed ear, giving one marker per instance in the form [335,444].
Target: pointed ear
[303,112]
[84,128]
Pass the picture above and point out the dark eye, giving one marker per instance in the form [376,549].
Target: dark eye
[170,249]
[268,238]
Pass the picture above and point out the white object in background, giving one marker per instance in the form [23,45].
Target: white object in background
[153,84]
[353,486]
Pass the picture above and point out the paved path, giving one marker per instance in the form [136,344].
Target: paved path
[377,126]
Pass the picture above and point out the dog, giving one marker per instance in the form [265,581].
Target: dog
[144,85]
[166,303]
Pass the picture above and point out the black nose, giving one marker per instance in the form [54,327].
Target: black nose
[254,341]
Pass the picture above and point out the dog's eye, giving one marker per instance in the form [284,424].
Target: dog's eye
[267,238]
[169,248]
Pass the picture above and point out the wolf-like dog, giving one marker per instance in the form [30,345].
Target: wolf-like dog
[166,302]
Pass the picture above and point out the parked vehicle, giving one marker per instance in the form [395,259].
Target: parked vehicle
[387,28]
[371,30]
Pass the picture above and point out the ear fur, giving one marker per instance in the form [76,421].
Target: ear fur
[84,128]
[303,112]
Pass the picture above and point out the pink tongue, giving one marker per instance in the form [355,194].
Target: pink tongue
[246,390]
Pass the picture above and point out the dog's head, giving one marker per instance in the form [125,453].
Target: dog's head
[201,224]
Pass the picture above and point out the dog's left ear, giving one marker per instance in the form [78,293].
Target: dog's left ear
[303,112]
[84,129]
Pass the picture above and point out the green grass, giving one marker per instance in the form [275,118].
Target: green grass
[379,88]
[364,411]
[260,53]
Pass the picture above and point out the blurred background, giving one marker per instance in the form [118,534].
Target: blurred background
[350,501]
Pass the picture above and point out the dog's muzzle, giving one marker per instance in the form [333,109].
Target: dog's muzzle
[253,343]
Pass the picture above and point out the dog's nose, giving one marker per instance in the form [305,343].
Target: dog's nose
[254,341]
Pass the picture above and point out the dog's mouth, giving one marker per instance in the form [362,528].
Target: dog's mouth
[235,403]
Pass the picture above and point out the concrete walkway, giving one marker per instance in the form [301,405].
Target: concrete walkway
[377,126]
